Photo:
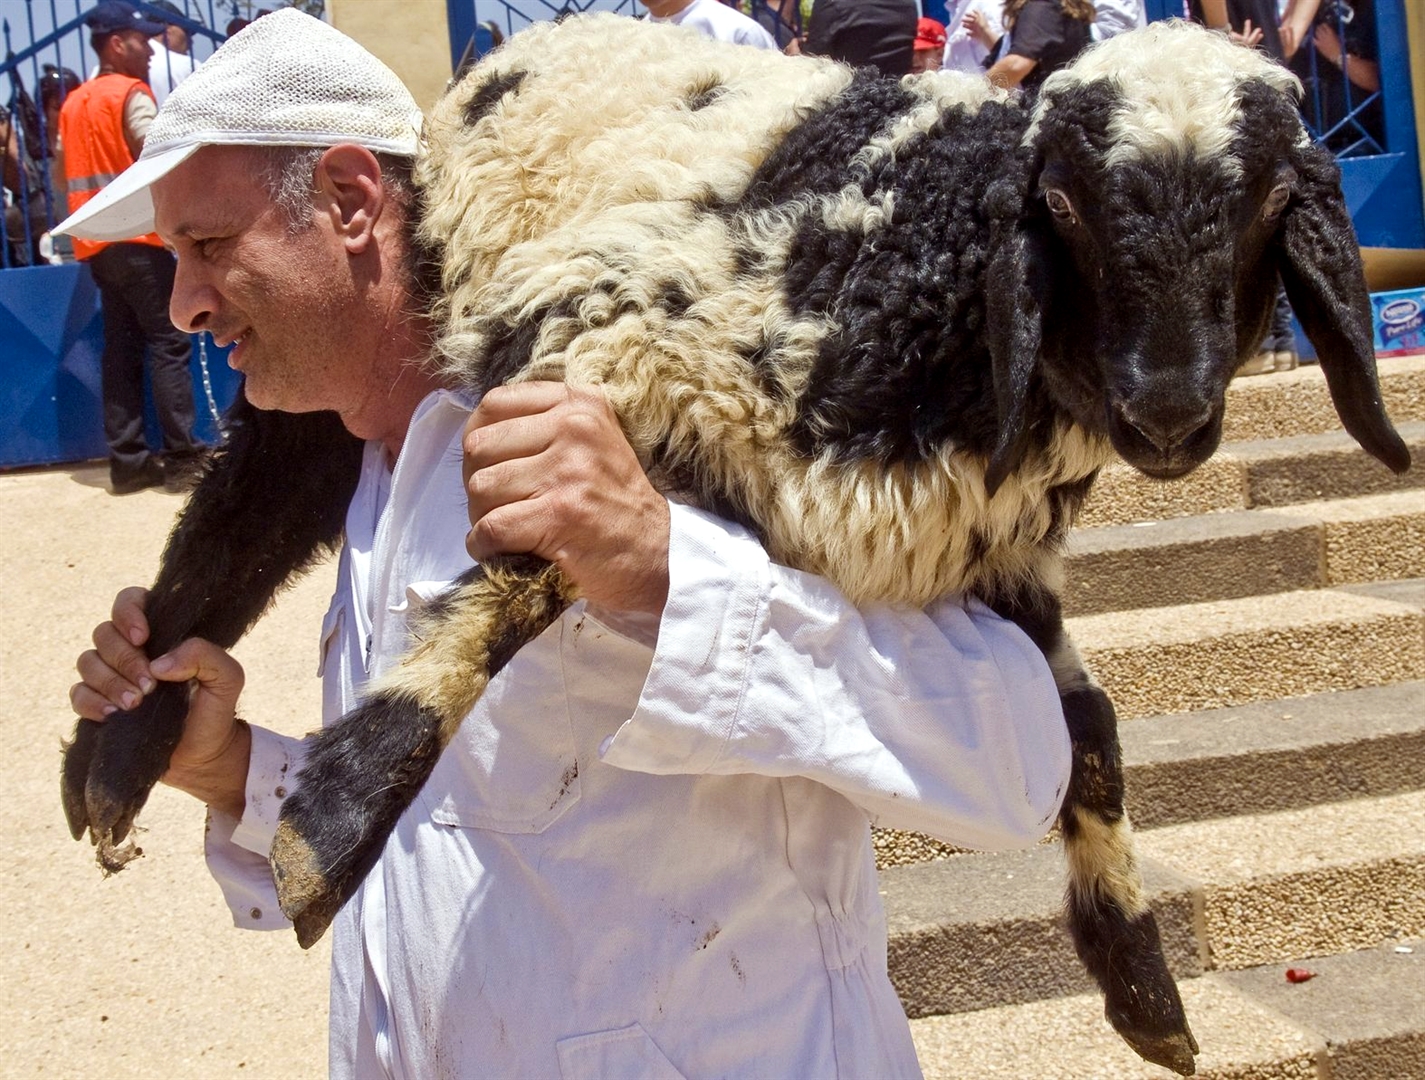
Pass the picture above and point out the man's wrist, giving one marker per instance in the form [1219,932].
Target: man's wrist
[221,781]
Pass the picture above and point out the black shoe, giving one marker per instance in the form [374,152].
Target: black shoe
[181,472]
[125,481]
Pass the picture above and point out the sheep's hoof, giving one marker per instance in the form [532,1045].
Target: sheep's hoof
[359,777]
[306,892]
[109,770]
[1175,1051]
[1148,1013]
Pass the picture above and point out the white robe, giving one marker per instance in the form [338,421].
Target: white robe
[648,851]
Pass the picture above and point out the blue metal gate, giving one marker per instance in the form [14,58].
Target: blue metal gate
[51,334]
[1372,132]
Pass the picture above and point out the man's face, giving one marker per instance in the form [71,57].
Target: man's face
[129,54]
[283,298]
[925,60]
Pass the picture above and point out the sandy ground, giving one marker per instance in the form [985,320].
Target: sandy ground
[142,974]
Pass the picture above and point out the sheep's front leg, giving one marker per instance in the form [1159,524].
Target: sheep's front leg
[362,772]
[273,499]
[1115,934]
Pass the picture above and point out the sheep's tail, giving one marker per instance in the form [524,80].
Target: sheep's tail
[362,772]
[270,501]
[1114,932]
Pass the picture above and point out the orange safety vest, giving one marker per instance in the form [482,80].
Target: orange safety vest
[91,130]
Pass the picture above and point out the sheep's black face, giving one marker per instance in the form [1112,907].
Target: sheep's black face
[1170,285]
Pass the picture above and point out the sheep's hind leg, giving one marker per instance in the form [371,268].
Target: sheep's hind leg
[362,772]
[1115,933]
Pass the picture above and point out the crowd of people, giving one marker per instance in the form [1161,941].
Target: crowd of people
[1331,44]
[59,155]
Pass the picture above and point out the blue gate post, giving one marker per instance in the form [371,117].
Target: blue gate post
[1383,191]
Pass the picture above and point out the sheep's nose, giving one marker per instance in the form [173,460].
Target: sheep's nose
[1167,430]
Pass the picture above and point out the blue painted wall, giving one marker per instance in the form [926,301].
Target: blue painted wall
[51,337]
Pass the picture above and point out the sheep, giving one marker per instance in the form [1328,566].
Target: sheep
[894,327]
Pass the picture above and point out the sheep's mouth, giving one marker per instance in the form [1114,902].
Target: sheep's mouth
[1164,446]
[1165,472]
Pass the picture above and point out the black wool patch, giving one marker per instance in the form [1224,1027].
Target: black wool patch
[1096,779]
[908,369]
[1034,608]
[488,96]
[814,158]
[700,97]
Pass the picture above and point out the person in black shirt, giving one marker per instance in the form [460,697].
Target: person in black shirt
[875,33]
[1041,36]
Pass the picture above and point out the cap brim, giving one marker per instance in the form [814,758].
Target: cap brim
[124,209]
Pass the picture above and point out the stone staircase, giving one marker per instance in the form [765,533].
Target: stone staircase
[1260,626]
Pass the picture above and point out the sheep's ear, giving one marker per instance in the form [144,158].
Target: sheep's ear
[1016,288]
[1321,268]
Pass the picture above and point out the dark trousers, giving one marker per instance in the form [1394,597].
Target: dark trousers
[1280,336]
[135,282]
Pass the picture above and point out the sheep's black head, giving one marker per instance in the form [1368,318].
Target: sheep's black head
[1172,182]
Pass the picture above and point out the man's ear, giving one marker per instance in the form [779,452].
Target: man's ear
[349,177]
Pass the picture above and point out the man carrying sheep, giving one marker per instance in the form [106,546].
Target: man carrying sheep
[648,849]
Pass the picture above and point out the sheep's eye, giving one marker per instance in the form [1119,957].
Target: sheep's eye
[1276,201]
[1059,204]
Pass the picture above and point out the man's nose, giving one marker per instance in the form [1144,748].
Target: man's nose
[190,307]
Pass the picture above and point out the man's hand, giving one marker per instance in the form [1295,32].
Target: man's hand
[211,759]
[548,472]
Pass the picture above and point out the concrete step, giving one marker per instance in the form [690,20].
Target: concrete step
[1305,468]
[1243,553]
[1275,755]
[1257,758]
[1371,538]
[1368,1007]
[986,930]
[1297,402]
[1190,560]
[1270,472]
[1181,658]
[1361,1018]
[1068,1039]
[1326,879]
[1122,495]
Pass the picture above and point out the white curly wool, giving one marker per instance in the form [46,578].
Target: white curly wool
[1179,90]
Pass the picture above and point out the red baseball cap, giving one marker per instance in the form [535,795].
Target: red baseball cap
[929,34]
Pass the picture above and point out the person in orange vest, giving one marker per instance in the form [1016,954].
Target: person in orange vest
[101,131]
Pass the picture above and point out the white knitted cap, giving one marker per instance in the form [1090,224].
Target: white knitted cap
[286,79]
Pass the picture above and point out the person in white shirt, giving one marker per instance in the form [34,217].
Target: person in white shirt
[172,59]
[712,18]
[965,50]
[647,851]
[1115,16]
